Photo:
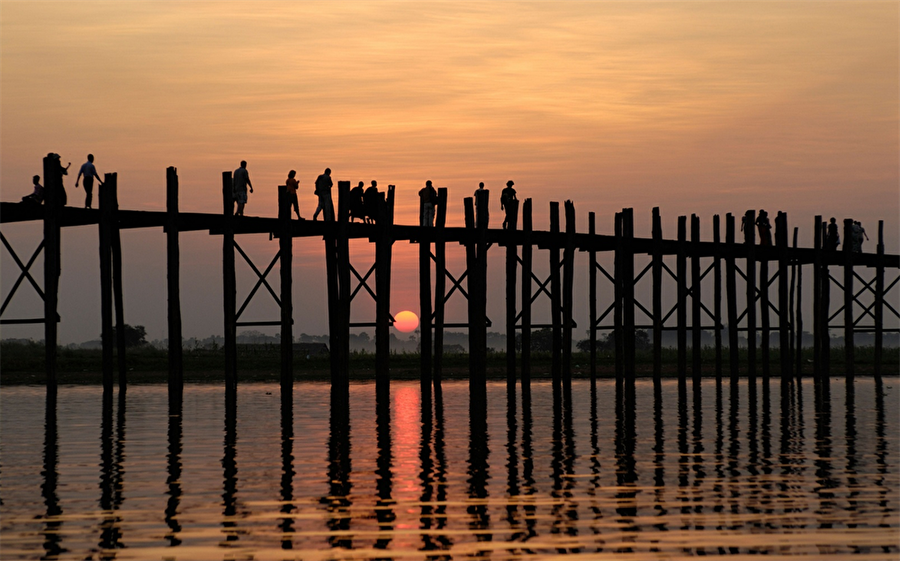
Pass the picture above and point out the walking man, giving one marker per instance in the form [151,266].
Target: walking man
[89,172]
[323,191]
[240,181]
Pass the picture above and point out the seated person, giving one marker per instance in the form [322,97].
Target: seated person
[37,196]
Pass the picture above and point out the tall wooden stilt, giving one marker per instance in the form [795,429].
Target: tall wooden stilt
[696,318]
[798,323]
[384,252]
[750,246]
[568,292]
[286,255]
[229,285]
[526,295]
[628,298]
[764,315]
[657,297]
[54,200]
[818,239]
[592,295]
[879,301]
[849,346]
[824,314]
[784,307]
[681,272]
[555,300]
[118,296]
[731,295]
[512,254]
[618,306]
[425,342]
[173,279]
[106,290]
[440,279]
[474,308]
[342,265]
[717,296]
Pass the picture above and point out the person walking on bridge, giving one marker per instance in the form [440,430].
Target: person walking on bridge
[323,191]
[89,172]
[240,181]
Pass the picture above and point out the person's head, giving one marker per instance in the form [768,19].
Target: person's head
[91,158]
[510,183]
[361,184]
[428,183]
[481,185]
[374,183]
[36,179]
[292,173]
[327,171]
[833,220]
[243,163]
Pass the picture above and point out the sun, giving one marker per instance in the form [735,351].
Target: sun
[406,321]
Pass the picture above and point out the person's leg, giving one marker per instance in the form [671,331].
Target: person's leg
[88,193]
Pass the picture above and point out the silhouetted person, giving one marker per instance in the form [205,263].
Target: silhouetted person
[764,227]
[858,234]
[479,210]
[292,185]
[240,182]
[62,198]
[356,206]
[372,201]
[506,196]
[428,197]
[832,238]
[89,172]
[37,195]
[323,191]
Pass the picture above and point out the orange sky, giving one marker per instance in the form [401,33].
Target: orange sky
[708,107]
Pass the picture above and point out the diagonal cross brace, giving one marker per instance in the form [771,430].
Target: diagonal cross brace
[261,281]
[24,274]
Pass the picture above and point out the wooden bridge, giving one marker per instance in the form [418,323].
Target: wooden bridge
[786,261]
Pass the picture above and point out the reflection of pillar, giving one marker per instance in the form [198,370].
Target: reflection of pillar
[528,483]
[173,481]
[111,458]
[426,473]
[384,476]
[480,520]
[229,468]
[339,469]
[512,465]
[440,471]
[53,526]
[286,524]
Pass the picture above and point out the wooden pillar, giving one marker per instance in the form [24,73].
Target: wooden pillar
[527,250]
[384,252]
[512,255]
[879,301]
[229,286]
[286,255]
[54,200]
[482,202]
[849,346]
[628,326]
[750,247]
[784,307]
[555,303]
[618,329]
[681,272]
[696,318]
[657,297]
[338,374]
[475,379]
[717,296]
[342,268]
[764,315]
[440,279]
[173,279]
[798,324]
[425,340]
[731,295]
[106,291]
[592,294]
[824,313]
[568,292]
[118,297]
[817,296]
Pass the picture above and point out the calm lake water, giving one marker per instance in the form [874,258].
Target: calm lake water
[679,474]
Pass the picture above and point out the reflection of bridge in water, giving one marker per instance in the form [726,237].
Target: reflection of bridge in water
[862,305]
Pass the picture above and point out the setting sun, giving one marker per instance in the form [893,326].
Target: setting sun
[406,321]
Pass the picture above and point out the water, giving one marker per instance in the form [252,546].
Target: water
[557,473]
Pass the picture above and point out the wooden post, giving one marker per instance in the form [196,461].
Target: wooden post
[849,347]
[618,306]
[173,279]
[824,313]
[482,202]
[717,295]
[750,245]
[440,279]
[657,297]
[568,292]
[118,297]
[681,272]
[342,269]
[106,291]
[592,294]
[425,342]
[527,250]
[696,318]
[879,302]
[731,295]
[384,252]
[555,304]
[338,374]
[628,298]
[229,286]
[54,200]
[286,254]
[817,296]
[784,307]
[475,341]
[512,254]
[764,316]
[799,314]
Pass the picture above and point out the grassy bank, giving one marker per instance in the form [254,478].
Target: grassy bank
[24,364]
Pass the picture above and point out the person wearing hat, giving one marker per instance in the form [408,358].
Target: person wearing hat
[509,202]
